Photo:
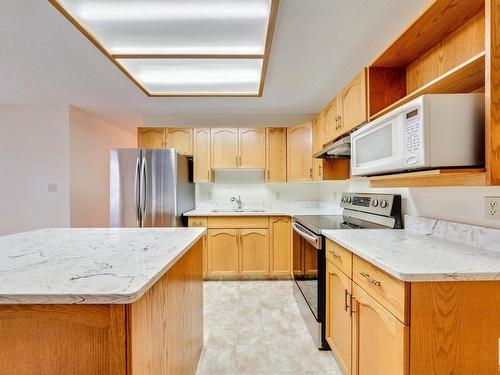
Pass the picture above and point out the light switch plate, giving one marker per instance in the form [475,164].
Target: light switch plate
[492,208]
[52,188]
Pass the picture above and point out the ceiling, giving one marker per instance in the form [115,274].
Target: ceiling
[318,46]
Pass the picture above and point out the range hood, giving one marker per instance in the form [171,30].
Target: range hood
[338,149]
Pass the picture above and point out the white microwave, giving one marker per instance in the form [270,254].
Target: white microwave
[431,131]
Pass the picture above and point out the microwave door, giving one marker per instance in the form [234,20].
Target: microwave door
[378,147]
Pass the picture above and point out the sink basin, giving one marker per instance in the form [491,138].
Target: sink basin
[236,210]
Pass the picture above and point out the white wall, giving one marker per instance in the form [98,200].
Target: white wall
[90,141]
[34,149]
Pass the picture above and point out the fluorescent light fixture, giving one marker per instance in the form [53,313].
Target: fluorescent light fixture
[218,33]
[196,76]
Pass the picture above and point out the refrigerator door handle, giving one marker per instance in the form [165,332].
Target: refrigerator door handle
[144,191]
[137,190]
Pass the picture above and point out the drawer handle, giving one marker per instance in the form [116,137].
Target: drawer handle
[335,255]
[371,279]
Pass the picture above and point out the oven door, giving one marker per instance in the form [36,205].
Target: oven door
[378,147]
[309,275]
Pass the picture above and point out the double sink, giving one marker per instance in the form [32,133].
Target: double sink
[236,210]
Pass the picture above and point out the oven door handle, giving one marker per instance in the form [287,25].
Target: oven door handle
[307,236]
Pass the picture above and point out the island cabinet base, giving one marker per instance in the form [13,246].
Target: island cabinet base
[161,333]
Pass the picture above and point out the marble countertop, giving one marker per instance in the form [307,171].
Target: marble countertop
[418,257]
[88,266]
[272,208]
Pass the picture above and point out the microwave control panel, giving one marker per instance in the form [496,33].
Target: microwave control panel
[413,134]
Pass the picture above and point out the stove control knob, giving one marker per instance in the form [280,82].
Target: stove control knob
[349,199]
[375,203]
[383,204]
[344,199]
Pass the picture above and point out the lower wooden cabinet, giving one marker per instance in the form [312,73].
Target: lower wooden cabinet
[254,252]
[222,255]
[280,232]
[380,340]
[338,316]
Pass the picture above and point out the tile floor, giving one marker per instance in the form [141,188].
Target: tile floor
[255,328]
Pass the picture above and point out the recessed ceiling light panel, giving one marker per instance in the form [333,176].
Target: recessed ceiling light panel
[184,31]
[196,76]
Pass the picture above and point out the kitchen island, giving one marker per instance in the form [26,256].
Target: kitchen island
[101,301]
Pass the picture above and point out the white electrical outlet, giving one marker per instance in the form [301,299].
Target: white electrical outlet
[492,208]
[52,188]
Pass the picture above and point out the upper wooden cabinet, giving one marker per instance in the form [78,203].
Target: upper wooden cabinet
[252,148]
[299,152]
[224,148]
[180,139]
[351,104]
[150,137]
[201,155]
[331,129]
[276,154]
[317,145]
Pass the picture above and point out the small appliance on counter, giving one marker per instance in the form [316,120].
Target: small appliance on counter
[431,131]
[150,187]
[361,211]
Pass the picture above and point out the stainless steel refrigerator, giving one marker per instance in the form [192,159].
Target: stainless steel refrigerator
[150,188]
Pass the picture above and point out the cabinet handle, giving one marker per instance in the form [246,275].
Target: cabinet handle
[208,173]
[371,279]
[236,161]
[351,307]
[335,255]
[310,172]
[345,300]
[268,175]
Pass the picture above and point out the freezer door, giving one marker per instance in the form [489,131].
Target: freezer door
[158,187]
[124,187]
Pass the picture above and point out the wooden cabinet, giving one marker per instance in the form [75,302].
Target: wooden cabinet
[276,154]
[380,341]
[201,155]
[317,145]
[331,122]
[280,246]
[254,252]
[180,139]
[299,151]
[252,148]
[150,137]
[352,106]
[222,256]
[338,316]
[224,148]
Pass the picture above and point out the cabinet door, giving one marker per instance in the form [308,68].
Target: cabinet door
[180,139]
[224,148]
[275,154]
[299,151]
[281,246]
[331,122]
[150,137]
[222,256]
[352,101]
[201,155]
[338,316]
[252,148]
[317,145]
[254,252]
[380,341]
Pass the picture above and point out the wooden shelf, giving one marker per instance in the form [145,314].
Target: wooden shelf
[438,21]
[463,78]
[432,178]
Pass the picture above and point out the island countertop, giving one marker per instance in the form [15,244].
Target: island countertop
[88,265]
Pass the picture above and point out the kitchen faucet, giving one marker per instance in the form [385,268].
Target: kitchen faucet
[238,202]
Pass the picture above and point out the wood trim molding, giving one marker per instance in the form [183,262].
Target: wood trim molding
[114,57]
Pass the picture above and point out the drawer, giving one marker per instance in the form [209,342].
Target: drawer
[340,257]
[246,222]
[195,221]
[390,292]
